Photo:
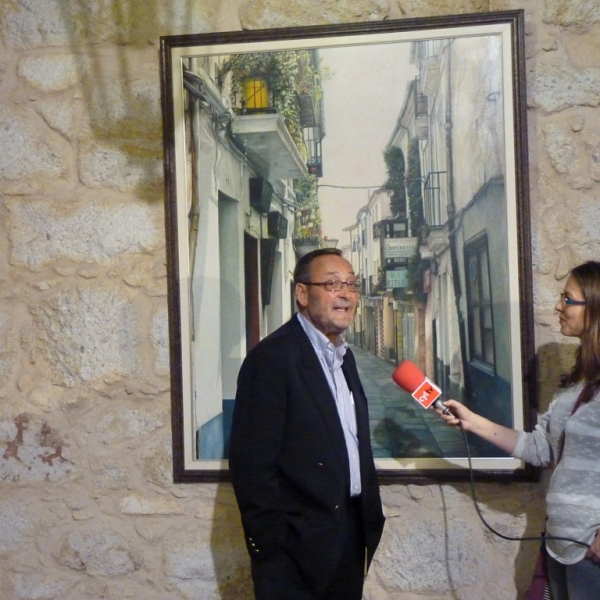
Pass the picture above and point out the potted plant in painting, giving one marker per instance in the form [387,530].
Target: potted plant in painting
[308,235]
[273,81]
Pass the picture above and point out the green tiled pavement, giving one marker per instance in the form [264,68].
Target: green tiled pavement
[400,428]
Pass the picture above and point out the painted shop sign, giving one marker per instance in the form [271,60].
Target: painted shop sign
[399,247]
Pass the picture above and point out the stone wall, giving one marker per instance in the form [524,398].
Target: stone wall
[87,505]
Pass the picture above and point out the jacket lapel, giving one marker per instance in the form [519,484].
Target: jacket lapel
[360,402]
[316,383]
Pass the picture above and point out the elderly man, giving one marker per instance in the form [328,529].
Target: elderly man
[300,452]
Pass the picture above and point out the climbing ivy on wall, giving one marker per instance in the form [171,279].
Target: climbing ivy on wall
[395,167]
[414,188]
[308,214]
[414,191]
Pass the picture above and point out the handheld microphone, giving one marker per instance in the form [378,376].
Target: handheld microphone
[412,380]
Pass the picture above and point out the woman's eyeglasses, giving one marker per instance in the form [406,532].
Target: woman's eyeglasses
[335,285]
[566,301]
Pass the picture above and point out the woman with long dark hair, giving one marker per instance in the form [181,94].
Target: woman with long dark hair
[567,438]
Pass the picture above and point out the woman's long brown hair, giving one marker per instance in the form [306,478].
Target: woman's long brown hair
[587,359]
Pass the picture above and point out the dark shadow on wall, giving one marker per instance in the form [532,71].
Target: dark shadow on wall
[122,121]
[231,560]
[552,361]
[122,126]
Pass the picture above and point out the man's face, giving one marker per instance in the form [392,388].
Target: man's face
[330,312]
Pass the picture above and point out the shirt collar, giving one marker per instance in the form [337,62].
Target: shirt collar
[321,343]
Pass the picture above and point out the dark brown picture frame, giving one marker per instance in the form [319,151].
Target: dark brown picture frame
[237,170]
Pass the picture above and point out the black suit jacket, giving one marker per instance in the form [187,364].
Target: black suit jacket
[288,459]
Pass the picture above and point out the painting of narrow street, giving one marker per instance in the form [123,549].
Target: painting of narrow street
[398,153]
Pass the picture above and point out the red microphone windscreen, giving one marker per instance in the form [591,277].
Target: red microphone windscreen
[408,376]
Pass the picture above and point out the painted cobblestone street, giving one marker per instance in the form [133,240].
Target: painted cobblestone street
[400,428]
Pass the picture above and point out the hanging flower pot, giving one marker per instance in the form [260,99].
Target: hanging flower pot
[303,246]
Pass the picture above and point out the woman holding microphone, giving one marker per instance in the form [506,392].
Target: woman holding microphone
[568,439]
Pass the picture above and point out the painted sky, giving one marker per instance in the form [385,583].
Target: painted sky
[362,96]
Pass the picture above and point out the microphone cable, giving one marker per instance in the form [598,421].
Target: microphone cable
[501,535]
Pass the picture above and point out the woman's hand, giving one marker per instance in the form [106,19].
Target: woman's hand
[593,552]
[458,413]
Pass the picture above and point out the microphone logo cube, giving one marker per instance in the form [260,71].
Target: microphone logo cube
[427,393]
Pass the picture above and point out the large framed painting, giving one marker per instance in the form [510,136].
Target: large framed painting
[402,143]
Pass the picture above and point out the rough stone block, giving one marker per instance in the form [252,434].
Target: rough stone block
[89,334]
[43,232]
[139,505]
[259,14]
[98,551]
[41,584]
[26,153]
[54,72]
[121,166]
[582,13]
[40,23]
[160,341]
[16,522]
[557,87]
